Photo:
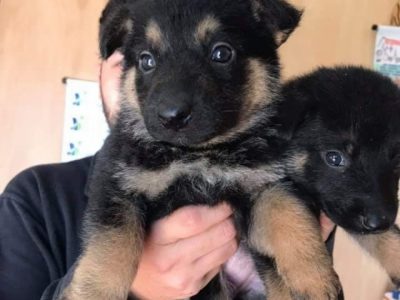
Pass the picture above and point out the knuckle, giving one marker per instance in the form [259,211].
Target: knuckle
[191,218]
[163,266]
[179,283]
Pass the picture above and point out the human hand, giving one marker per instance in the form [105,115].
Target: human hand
[184,251]
[327,226]
[241,268]
[109,79]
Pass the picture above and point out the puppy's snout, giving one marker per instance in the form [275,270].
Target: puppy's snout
[375,222]
[175,116]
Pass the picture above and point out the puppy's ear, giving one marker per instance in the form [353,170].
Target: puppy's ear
[295,110]
[115,25]
[279,16]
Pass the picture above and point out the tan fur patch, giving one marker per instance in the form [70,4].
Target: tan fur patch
[130,103]
[125,25]
[283,228]
[276,288]
[129,94]
[257,90]
[108,264]
[128,25]
[205,28]
[297,162]
[154,35]
[384,248]
[257,94]
[281,37]
[152,183]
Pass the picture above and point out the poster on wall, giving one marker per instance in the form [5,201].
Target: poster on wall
[85,127]
[395,295]
[387,52]
[387,62]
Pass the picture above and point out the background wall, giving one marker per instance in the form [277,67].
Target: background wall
[42,41]
[334,32]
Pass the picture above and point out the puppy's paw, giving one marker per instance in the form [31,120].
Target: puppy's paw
[314,284]
[384,247]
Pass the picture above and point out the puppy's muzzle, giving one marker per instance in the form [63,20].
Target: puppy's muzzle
[174,116]
[375,222]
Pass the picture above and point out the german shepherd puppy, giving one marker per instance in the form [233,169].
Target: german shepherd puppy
[199,90]
[346,141]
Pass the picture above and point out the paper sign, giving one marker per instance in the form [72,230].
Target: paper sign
[387,52]
[85,127]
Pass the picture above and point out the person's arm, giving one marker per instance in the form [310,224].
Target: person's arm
[33,256]
[23,250]
[33,264]
[182,252]
[186,250]
[327,226]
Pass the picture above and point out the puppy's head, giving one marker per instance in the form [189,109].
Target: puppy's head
[196,72]
[350,146]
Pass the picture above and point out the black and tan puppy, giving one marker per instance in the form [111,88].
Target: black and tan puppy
[347,150]
[199,89]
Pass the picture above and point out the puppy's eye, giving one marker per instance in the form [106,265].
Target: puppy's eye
[147,62]
[334,158]
[222,53]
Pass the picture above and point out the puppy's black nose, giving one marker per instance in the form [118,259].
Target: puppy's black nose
[174,116]
[375,222]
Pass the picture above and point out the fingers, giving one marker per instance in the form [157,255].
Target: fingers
[327,226]
[184,251]
[215,258]
[109,77]
[206,242]
[210,275]
[207,278]
[188,222]
[116,58]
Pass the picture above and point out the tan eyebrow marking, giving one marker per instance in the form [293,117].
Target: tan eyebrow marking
[206,27]
[154,35]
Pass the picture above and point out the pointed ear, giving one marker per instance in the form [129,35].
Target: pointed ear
[288,18]
[115,26]
[279,16]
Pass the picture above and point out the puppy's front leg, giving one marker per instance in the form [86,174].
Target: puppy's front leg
[384,247]
[284,229]
[110,258]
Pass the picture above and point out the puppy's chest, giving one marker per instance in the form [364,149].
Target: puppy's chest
[200,175]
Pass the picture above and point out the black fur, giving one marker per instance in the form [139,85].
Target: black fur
[355,111]
[226,148]
[184,76]
[217,91]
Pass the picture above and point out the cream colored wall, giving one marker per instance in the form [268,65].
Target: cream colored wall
[334,32]
[41,41]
